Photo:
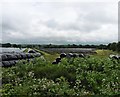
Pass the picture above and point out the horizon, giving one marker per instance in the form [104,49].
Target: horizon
[58,44]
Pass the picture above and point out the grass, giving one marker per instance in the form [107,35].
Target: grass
[100,53]
[47,56]
[104,53]
[51,57]
[26,50]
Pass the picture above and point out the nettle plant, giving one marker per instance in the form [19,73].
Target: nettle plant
[76,76]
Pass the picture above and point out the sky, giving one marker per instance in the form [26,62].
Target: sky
[59,22]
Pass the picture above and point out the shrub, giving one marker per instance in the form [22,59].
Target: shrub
[71,77]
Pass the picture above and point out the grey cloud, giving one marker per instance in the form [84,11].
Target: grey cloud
[84,27]
[47,24]
[51,23]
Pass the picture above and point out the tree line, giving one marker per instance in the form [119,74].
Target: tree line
[115,46]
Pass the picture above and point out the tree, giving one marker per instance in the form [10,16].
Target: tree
[113,46]
[118,46]
[6,45]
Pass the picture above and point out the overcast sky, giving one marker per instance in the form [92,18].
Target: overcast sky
[59,22]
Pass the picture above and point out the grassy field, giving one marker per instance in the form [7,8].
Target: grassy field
[105,52]
[52,56]
[96,76]
[48,56]
[99,53]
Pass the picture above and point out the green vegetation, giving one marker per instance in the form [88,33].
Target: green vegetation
[115,46]
[47,56]
[26,50]
[104,53]
[79,77]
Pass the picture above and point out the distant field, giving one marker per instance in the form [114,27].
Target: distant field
[68,50]
[51,55]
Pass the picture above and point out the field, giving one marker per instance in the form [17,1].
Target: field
[97,75]
[69,50]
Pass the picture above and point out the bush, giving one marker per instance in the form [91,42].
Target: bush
[72,77]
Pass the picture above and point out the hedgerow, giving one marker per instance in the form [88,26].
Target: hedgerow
[72,77]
